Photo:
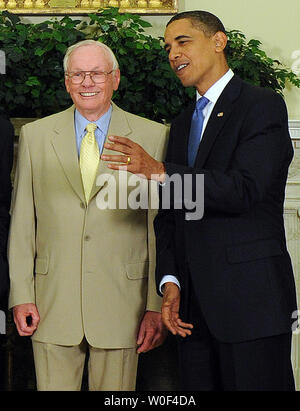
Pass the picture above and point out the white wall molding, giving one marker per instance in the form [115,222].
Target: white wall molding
[292,228]
[294,127]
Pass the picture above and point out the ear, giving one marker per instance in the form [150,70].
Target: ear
[67,84]
[116,79]
[220,40]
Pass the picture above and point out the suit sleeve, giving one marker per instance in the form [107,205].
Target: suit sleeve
[153,300]
[164,227]
[259,161]
[21,243]
[261,156]
[6,160]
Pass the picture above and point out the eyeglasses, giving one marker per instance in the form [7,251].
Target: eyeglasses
[77,77]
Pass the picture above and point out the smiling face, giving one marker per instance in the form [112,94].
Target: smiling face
[92,100]
[197,59]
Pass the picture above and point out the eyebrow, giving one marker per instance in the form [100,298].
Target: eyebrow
[182,36]
[93,69]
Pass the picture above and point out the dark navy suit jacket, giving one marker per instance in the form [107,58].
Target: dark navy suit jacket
[235,257]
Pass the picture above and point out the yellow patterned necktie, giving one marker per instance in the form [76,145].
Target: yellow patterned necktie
[89,159]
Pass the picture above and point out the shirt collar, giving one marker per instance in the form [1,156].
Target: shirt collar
[214,92]
[102,122]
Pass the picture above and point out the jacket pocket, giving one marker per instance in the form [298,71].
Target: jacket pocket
[41,265]
[137,271]
[254,251]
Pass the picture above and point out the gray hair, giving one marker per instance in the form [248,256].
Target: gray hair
[90,43]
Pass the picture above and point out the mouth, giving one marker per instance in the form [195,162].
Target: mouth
[90,94]
[180,68]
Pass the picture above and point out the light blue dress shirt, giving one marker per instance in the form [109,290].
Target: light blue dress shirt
[101,130]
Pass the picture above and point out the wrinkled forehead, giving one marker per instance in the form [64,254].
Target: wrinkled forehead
[91,56]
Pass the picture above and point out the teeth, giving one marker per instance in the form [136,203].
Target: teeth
[88,94]
[181,67]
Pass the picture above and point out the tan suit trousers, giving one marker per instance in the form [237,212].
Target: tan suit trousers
[60,368]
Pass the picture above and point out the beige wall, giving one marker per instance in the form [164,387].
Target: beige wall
[274,23]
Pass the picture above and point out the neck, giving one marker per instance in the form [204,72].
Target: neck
[207,83]
[93,115]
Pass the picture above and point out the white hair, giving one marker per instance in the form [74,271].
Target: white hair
[115,64]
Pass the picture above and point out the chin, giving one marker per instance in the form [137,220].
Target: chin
[186,82]
[89,106]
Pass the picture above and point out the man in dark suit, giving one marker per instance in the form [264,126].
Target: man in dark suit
[6,160]
[226,279]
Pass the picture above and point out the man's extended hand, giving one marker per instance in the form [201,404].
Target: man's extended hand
[170,311]
[141,163]
[26,318]
[152,332]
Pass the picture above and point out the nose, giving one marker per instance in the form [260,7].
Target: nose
[174,53]
[87,81]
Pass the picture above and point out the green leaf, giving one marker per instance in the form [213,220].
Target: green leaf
[39,52]
[33,81]
[58,36]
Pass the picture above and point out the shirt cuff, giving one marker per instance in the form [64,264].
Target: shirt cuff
[168,279]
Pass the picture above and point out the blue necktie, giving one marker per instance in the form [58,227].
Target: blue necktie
[196,130]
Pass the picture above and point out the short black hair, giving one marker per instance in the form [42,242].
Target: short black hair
[203,20]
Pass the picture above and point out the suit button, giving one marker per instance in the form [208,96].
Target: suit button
[87,238]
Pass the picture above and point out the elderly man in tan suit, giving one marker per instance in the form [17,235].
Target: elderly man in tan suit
[82,275]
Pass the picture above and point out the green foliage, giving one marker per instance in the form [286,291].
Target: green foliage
[148,85]
[33,85]
[34,82]
[253,65]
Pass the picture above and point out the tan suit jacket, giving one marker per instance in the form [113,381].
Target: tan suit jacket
[89,271]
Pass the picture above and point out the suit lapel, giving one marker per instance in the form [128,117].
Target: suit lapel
[64,144]
[119,127]
[218,119]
